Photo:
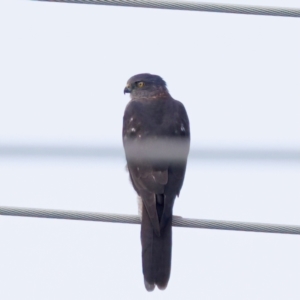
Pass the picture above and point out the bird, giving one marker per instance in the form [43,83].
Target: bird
[156,140]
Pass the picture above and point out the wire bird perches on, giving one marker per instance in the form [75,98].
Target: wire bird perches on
[133,219]
[195,6]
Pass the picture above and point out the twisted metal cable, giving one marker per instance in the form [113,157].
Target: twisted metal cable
[133,219]
[195,6]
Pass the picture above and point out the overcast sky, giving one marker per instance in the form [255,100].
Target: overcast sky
[63,68]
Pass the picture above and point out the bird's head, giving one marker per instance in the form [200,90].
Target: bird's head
[146,86]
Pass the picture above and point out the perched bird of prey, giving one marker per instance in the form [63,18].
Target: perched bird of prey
[156,139]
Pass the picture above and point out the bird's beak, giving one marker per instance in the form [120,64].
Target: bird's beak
[127,89]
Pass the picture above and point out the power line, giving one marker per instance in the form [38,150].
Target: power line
[195,6]
[133,219]
[106,152]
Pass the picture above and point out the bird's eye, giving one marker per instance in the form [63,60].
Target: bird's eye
[140,84]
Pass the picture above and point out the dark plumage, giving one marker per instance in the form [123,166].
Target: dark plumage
[156,139]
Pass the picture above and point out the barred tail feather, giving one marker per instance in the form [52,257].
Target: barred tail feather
[156,253]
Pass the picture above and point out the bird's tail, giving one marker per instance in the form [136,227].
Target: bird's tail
[156,253]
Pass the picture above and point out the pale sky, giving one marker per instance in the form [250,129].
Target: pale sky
[63,68]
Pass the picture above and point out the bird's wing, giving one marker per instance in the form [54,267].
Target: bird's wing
[139,150]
